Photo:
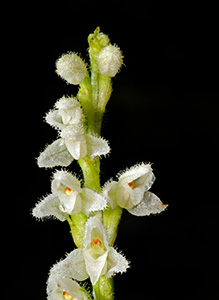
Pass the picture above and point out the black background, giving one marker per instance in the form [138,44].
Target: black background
[163,110]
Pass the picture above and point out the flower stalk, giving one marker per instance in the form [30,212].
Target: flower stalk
[93,212]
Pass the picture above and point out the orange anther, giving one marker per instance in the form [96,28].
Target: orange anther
[96,242]
[131,184]
[68,191]
[67,296]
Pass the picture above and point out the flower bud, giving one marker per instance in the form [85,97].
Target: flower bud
[71,68]
[110,60]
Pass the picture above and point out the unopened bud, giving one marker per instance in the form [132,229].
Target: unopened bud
[71,68]
[110,60]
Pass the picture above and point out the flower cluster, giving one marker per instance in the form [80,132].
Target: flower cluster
[93,212]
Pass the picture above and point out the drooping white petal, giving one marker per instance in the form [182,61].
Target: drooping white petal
[78,149]
[55,154]
[95,266]
[150,204]
[96,146]
[92,201]
[48,207]
[72,266]
[116,263]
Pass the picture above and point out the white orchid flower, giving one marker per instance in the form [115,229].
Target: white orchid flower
[73,144]
[67,111]
[68,198]
[95,259]
[131,191]
[59,288]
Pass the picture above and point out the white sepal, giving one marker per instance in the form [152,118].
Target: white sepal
[92,201]
[72,266]
[116,263]
[48,207]
[150,204]
[55,154]
[96,146]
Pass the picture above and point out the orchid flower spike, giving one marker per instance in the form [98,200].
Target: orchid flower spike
[68,198]
[131,191]
[64,288]
[95,259]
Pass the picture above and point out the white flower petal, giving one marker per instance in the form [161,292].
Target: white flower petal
[72,266]
[92,201]
[48,207]
[150,204]
[116,263]
[55,154]
[96,146]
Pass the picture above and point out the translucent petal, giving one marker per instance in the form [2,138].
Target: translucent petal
[96,146]
[55,154]
[48,207]
[150,204]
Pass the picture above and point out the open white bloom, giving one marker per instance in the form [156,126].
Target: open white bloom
[131,191]
[68,112]
[97,258]
[73,144]
[71,68]
[59,288]
[110,60]
[68,198]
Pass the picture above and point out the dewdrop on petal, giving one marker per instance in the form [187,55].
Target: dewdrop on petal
[71,68]
[110,60]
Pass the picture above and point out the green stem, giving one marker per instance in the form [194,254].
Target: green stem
[103,289]
[91,173]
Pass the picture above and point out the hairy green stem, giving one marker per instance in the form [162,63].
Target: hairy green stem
[103,289]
